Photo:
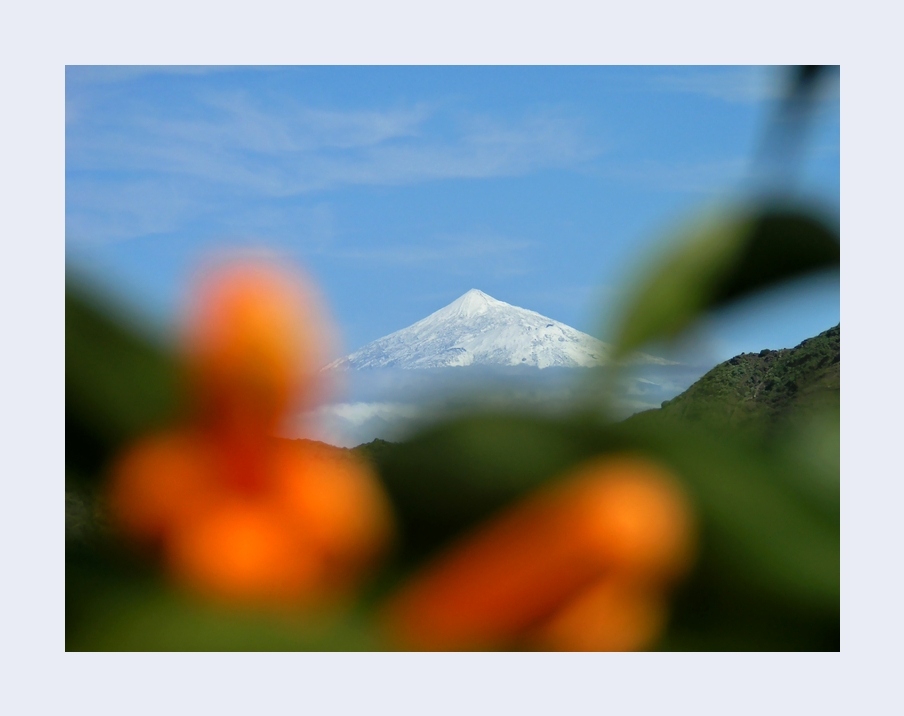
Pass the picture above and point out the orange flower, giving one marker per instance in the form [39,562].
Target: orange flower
[610,615]
[235,513]
[254,343]
[582,564]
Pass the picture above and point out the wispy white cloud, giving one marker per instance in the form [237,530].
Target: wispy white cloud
[290,150]
[748,85]
[137,166]
[100,211]
[359,413]
[103,211]
[536,143]
[234,121]
[462,247]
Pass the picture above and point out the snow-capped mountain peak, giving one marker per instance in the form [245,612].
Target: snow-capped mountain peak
[477,329]
[474,303]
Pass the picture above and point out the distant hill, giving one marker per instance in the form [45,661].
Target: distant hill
[759,391]
[373,451]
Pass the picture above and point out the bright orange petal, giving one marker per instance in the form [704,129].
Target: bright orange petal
[242,553]
[638,515]
[158,483]
[608,516]
[254,342]
[611,615]
[336,500]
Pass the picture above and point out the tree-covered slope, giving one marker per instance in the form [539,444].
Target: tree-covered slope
[758,391]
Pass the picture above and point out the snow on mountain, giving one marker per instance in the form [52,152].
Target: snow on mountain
[477,329]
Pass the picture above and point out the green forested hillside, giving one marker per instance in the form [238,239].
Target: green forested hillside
[760,391]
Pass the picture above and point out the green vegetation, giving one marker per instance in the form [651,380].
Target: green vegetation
[118,383]
[375,450]
[760,393]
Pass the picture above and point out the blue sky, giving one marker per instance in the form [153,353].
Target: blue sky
[400,188]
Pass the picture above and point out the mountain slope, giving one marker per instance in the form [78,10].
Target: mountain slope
[477,329]
[760,390]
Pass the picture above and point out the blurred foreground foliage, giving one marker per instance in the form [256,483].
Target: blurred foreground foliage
[767,573]
[767,576]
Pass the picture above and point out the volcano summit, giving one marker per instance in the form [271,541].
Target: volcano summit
[477,329]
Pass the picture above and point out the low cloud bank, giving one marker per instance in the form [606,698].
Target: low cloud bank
[389,404]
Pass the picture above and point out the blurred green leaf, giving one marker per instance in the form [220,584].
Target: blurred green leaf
[452,475]
[760,509]
[763,530]
[118,383]
[770,539]
[723,259]
[148,615]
